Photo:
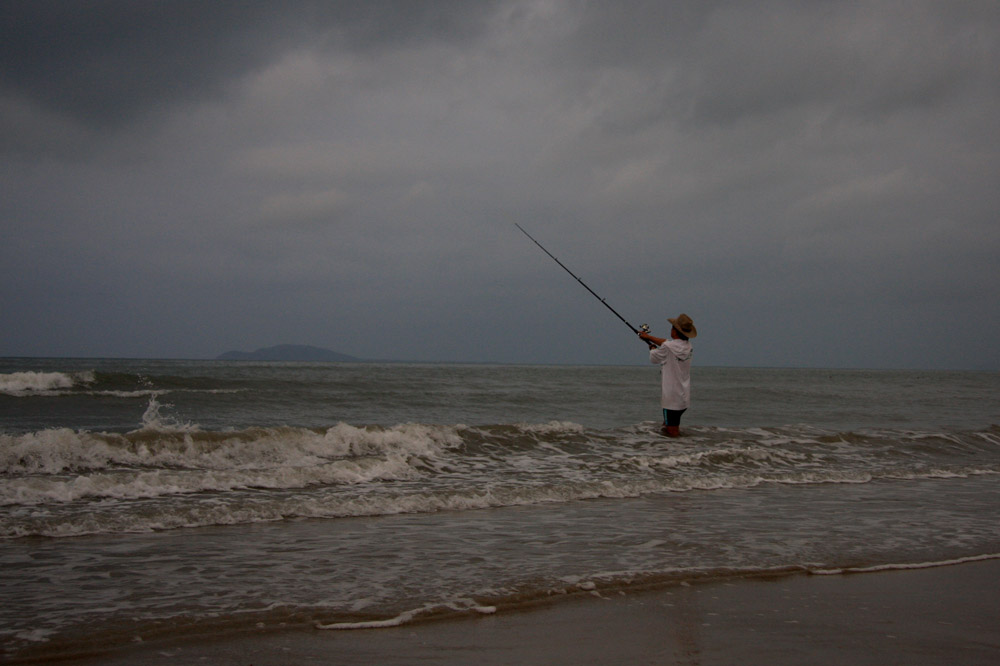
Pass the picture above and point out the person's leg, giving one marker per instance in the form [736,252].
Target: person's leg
[672,422]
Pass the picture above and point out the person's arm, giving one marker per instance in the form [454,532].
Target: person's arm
[652,340]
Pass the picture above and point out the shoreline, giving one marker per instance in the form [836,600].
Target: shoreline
[939,615]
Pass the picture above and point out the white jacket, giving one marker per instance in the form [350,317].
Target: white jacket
[674,357]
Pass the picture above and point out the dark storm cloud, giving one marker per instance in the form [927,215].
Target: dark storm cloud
[103,63]
[183,178]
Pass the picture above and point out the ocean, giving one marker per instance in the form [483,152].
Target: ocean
[142,499]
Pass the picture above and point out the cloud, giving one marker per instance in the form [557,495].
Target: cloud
[306,207]
[308,171]
[107,64]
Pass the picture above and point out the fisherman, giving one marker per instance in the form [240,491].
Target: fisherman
[674,357]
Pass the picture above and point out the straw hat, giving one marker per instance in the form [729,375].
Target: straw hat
[684,324]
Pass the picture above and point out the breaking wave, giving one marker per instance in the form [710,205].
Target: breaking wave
[168,475]
[43,383]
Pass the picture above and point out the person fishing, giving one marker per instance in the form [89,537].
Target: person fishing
[674,357]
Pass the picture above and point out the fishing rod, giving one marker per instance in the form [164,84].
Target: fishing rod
[644,327]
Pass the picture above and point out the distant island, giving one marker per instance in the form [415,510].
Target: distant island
[287,353]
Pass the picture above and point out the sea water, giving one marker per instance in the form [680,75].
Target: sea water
[144,498]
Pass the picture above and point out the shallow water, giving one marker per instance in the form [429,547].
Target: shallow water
[145,495]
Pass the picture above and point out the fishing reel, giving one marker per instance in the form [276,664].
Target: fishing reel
[644,328]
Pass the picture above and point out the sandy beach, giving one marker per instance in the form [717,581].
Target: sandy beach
[943,615]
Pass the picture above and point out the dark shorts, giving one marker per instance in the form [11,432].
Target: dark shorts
[672,417]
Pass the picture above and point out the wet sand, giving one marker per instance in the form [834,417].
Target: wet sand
[944,615]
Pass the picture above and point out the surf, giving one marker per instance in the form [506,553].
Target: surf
[31,383]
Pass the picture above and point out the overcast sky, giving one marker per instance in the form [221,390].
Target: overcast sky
[815,183]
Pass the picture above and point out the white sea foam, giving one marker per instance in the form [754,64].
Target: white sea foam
[903,566]
[458,605]
[42,383]
[36,635]
[127,485]
[166,445]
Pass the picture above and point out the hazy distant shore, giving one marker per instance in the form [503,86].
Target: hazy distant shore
[305,353]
